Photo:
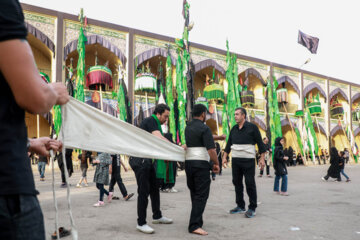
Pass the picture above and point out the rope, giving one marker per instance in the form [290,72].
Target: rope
[54,195]
[74,232]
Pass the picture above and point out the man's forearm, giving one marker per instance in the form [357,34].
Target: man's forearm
[213,156]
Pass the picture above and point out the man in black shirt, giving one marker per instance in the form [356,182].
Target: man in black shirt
[241,142]
[200,149]
[21,88]
[145,173]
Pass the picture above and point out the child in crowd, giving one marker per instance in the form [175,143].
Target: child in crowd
[280,167]
[101,176]
[342,166]
[83,157]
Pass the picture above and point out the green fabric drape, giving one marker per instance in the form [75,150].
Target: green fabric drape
[164,169]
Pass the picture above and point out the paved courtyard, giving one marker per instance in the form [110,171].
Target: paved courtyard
[314,209]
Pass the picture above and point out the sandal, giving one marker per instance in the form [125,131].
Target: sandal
[115,198]
[129,196]
[63,232]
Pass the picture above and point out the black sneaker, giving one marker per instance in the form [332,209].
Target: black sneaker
[250,213]
[237,210]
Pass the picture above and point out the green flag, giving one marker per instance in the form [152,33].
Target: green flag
[277,121]
[299,141]
[79,95]
[235,78]
[181,101]
[311,136]
[121,103]
[169,96]
[230,98]
[225,122]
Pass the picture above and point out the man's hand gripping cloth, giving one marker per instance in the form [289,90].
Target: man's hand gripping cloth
[243,151]
[88,128]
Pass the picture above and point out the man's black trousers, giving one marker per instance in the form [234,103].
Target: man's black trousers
[116,178]
[244,168]
[198,181]
[146,181]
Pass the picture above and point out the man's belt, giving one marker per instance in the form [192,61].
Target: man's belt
[243,151]
[197,153]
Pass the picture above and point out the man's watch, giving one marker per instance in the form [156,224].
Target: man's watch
[28,144]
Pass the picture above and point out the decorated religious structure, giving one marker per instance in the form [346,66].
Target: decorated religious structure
[125,72]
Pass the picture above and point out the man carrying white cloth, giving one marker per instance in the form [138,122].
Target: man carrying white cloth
[241,143]
[200,149]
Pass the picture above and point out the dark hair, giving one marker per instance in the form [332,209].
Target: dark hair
[243,110]
[198,109]
[342,153]
[160,108]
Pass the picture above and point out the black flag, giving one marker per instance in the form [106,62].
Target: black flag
[308,41]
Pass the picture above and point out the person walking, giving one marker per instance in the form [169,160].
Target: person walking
[116,178]
[290,155]
[43,160]
[342,163]
[84,157]
[69,165]
[334,169]
[280,167]
[101,176]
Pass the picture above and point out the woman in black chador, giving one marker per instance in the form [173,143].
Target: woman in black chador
[334,169]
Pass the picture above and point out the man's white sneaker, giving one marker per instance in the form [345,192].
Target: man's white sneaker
[163,220]
[145,229]
[173,190]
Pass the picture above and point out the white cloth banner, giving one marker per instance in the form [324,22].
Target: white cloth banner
[87,128]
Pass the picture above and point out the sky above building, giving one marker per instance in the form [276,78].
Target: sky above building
[265,29]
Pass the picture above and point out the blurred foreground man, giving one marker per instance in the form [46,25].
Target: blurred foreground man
[21,89]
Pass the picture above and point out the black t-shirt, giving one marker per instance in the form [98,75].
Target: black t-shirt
[115,162]
[15,170]
[248,134]
[149,124]
[197,134]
